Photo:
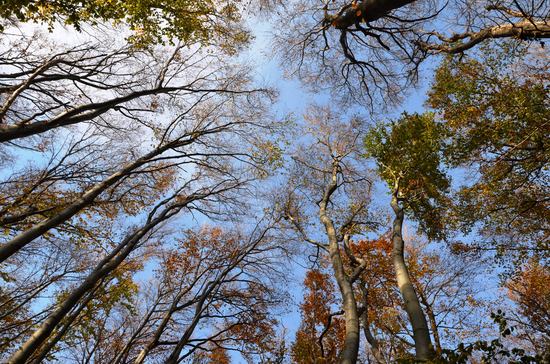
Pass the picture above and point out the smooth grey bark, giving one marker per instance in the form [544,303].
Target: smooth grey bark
[524,29]
[351,318]
[41,354]
[421,334]
[105,267]
[14,245]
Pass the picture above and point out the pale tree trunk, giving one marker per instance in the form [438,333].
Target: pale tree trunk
[421,334]
[351,341]
[159,331]
[174,356]
[105,267]
[24,238]
[41,354]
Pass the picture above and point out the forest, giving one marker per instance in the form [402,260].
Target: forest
[274,182]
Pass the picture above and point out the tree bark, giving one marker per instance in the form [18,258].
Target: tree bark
[351,341]
[367,10]
[45,349]
[421,334]
[123,354]
[24,238]
[524,29]
[105,267]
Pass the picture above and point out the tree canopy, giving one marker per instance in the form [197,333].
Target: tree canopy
[167,197]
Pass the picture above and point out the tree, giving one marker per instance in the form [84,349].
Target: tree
[448,293]
[106,266]
[198,152]
[328,180]
[210,292]
[320,336]
[152,21]
[408,155]
[528,289]
[496,109]
[371,50]
[98,73]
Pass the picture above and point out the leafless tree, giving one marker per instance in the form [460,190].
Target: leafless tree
[329,181]
[370,50]
[185,78]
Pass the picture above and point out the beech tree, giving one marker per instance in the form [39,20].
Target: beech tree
[527,288]
[496,109]
[190,147]
[448,290]
[408,155]
[209,292]
[117,144]
[98,70]
[329,181]
[371,50]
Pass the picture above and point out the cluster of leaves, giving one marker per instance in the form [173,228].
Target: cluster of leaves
[409,156]
[529,289]
[497,110]
[319,300]
[496,350]
[151,21]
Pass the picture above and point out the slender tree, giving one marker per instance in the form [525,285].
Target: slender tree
[408,155]
[328,175]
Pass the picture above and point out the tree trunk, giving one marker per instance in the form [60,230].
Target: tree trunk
[123,354]
[24,238]
[421,334]
[351,341]
[45,349]
[105,267]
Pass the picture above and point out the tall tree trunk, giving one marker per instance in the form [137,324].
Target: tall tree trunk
[45,349]
[105,267]
[351,341]
[421,334]
[24,238]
